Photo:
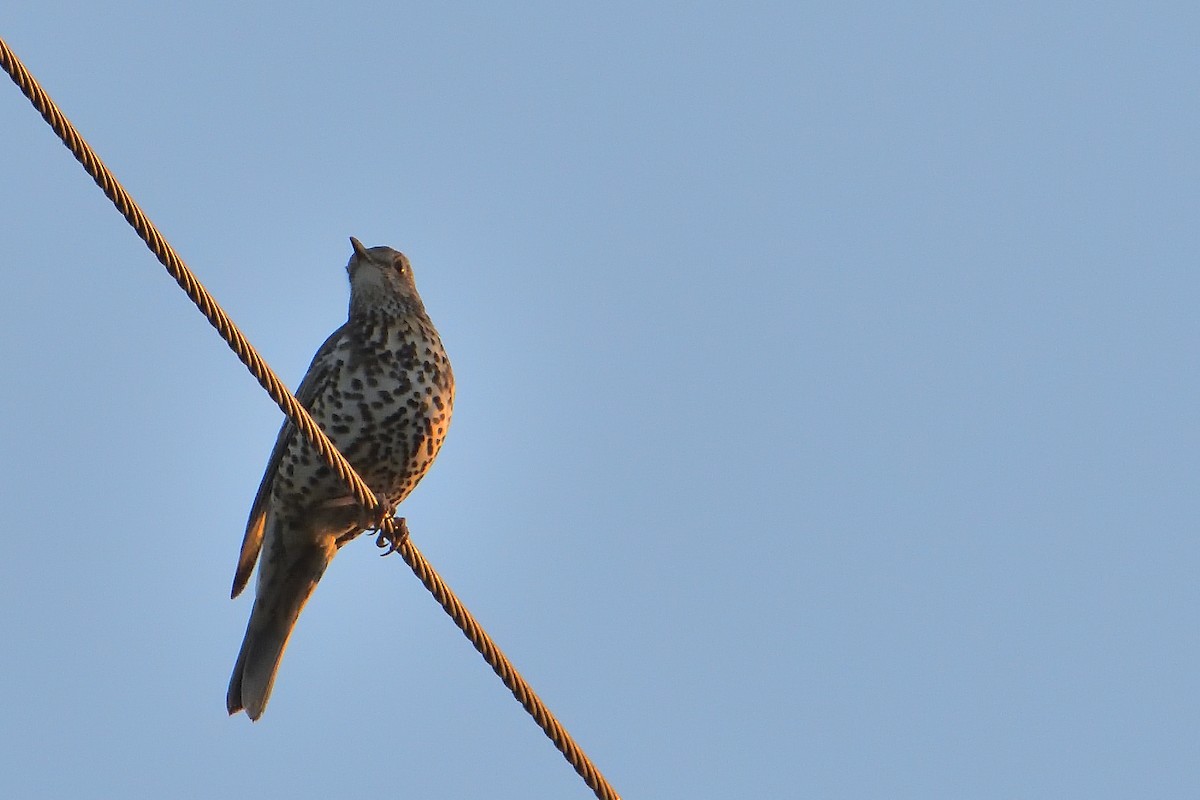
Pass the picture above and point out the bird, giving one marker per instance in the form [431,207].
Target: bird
[382,389]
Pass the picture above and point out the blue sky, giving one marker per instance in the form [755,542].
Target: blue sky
[826,418]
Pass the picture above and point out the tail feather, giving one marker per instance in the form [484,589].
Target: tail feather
[276,610]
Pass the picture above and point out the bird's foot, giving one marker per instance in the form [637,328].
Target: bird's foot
[393,540]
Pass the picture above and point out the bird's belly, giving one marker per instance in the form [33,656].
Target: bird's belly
[389,423]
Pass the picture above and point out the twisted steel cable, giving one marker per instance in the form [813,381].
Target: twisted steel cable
[295,412]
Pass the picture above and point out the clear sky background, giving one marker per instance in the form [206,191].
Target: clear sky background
[827,396]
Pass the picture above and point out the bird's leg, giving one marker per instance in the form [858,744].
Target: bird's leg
[393,540]
[339,507]
[341,514]
[352,519]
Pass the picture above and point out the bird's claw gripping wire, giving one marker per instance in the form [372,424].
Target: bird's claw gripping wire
[392,541]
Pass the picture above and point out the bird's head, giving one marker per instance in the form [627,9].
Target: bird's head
[381,278]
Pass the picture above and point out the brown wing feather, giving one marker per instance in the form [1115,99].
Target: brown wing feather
[310,387]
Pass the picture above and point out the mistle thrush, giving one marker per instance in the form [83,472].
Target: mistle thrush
[382,389]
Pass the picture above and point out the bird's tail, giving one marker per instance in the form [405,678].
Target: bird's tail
[276,609]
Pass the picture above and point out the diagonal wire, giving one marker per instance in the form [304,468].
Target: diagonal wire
[290,406]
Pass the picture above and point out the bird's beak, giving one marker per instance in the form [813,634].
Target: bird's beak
[359,250]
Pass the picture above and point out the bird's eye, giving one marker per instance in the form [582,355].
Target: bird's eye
[399,264]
